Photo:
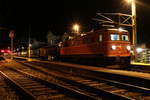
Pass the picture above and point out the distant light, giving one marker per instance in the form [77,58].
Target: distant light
[30,45]
[5,51]
[22,47]
[2,51]
[128,1]
[17,49]
[60,44]
[76,28]
[8,51]
[121,29]
[139,50]
[23,53]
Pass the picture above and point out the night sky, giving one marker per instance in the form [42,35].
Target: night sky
[37,17]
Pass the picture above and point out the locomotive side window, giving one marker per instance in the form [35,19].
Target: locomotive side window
[115,37]
[125,37]
[100,37]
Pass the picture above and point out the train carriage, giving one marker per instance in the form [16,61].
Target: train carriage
[49,53]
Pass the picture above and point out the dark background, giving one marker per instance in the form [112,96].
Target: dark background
[37,17]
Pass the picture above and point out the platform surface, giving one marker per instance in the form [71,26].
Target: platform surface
[100,69]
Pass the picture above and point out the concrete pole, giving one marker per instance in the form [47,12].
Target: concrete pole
[134,26]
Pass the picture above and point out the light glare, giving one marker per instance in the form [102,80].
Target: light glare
[113,47]
[129,47]
[139,50]
[129,1]
[76,28]
[120,29]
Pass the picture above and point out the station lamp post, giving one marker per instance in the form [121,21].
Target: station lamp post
[134,27]
[29,51]
[134,22]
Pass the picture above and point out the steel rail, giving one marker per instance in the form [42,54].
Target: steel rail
[18,87]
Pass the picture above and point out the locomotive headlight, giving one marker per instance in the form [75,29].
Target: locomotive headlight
[128,47]
[113,47]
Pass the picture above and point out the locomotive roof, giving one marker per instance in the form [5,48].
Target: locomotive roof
[100,30]
[115,29]
[111,29]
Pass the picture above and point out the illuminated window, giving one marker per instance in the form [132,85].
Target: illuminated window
[100,37]
[115,37]
[125,38]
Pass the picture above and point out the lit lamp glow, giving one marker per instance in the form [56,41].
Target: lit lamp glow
[139,50]
[129,1]
[29,51]
[120,29]
[76,28]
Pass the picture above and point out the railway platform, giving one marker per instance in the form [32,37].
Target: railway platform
[106,70]
[138,63]
[98,69]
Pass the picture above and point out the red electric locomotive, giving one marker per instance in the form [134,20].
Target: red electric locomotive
[107,46]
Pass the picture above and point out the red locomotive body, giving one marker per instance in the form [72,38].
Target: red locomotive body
[107,45]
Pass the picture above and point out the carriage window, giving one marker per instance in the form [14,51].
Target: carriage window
[115,37]
[100,37]
[125,38]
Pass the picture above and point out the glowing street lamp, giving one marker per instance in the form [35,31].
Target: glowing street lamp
[76,28]
[129,1]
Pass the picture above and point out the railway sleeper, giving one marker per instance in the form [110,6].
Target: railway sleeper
[38,93]
[132,94]
[117,90]
[28,84]
[44,92]
[39,89]
[32,87]
[54,97]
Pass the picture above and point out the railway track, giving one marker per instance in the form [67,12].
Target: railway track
[35,88]
[7,92]
[103,87]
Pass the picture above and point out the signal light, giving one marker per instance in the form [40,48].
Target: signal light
[2,51]
[5,51]
[8,51]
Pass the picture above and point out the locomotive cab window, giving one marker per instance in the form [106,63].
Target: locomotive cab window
[100,37]
[115,37]
[125,37]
